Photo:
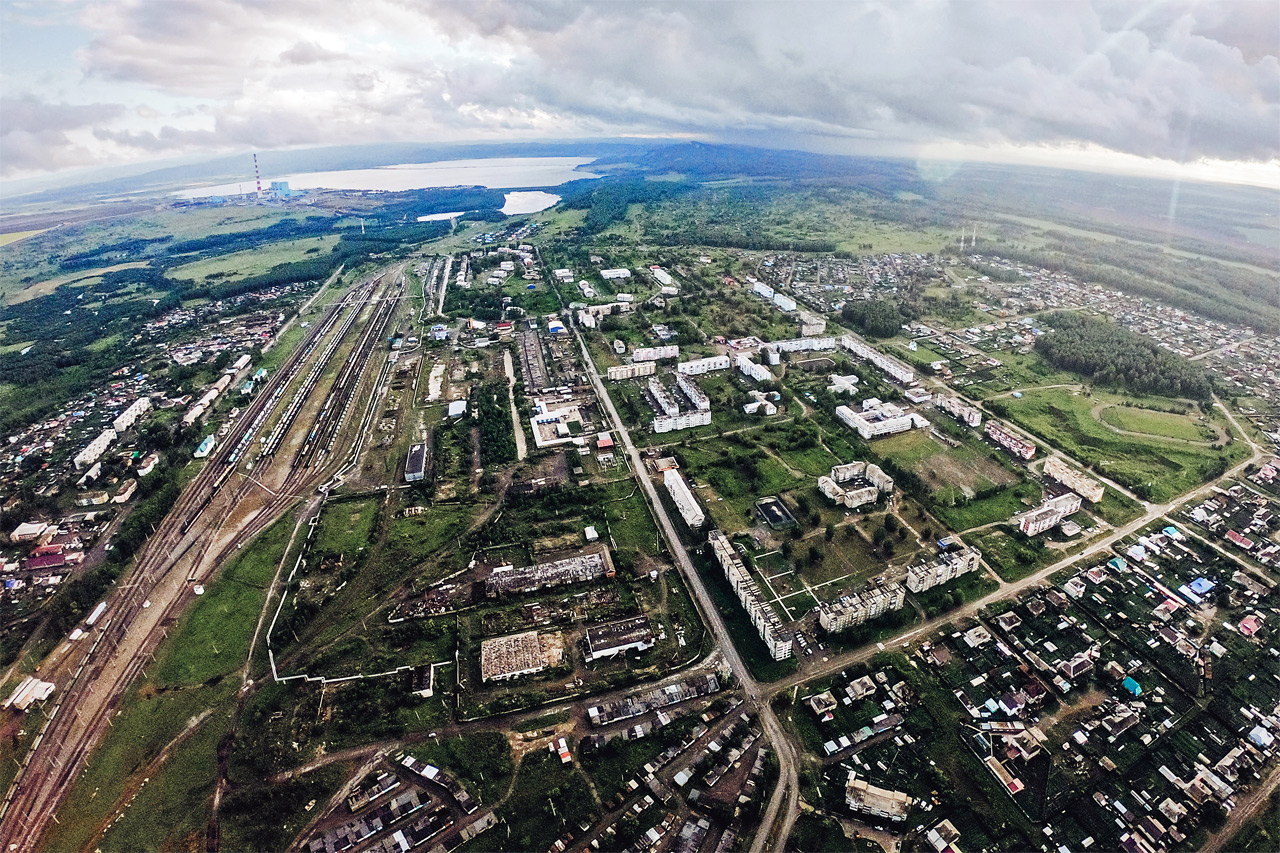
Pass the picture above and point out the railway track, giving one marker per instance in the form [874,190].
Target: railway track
[101,675]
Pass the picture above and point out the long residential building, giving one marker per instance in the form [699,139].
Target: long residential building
[1003,436]
[94,449]
[698,366]
[1088,488]
[130,416]
[858,607]
[662,399]
[683,420]
[751,370]
[949,566]
[960,410]
[699,400]
[894,369]
[683,498]
[804,345]
[758,609]
[656,353]
[631,371]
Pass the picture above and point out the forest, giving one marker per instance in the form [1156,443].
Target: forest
[878,318]
[1112,355]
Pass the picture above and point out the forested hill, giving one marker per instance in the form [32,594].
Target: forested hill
[1112,355]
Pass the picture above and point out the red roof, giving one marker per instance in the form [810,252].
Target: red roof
[49,561]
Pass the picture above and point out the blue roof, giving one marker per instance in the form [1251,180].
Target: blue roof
[1132,686]
[1171,531]
[1202,585]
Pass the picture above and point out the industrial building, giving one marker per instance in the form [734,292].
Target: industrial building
[631,371]
[1004,437]
[510,579]
[683,498]
[416,463]
[614,638]
[894,369]
[699,366]
[1089,489]
[758,609]
[949,566]
[879,418]
[958,409]
[502,658]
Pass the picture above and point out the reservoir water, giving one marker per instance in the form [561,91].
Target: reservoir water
[494,173]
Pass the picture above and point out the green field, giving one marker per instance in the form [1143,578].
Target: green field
[1151,422]
[1155,468]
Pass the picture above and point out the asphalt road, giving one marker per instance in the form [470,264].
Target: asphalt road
[788,780]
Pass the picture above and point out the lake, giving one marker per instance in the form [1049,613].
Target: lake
[493,173]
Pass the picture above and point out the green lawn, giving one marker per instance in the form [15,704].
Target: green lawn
[213,637]
[1151,422]
[1154,468]
[238,265]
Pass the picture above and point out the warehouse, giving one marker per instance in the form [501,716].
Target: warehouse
[519,654]
[416,463]
[614,638]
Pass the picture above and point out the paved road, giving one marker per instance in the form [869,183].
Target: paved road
[788,780]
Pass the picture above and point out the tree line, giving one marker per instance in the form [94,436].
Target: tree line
[1110,354]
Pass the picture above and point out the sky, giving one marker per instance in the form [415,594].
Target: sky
[1186,88]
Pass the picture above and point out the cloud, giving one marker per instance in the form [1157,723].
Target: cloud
[309,53]
[1181,80]
[34,133]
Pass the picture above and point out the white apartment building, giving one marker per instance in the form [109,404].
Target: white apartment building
[610,275]
[758,609]
[1090,489]
[949,566]
[130,416]
[683,420]
[656,353]
[695,394]
[683,498]
[959,410]
[751,370]
[894,369]
[631,371]
[698,366]
[858,607]
[94,449]
[878,419]
[662,398]
[1049,514]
